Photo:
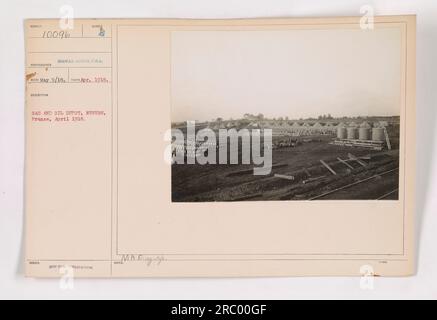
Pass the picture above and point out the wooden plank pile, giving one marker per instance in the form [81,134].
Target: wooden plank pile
[375,145]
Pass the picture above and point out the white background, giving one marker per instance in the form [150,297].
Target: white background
[14,285]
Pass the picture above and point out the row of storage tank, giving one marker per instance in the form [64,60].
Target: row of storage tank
[363,132]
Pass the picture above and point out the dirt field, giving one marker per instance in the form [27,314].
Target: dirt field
[373,176]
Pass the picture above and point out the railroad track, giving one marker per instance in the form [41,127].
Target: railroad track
[386,195]
[359,183]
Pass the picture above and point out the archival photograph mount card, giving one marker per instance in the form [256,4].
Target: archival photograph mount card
[220,148]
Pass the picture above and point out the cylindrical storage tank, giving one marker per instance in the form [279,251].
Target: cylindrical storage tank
[364,133]
[341,132]
[378,134]
[352,133]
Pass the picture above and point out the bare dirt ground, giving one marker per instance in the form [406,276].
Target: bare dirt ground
[375,178]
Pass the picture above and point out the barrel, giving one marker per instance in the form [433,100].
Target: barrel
[364,133]
[378,134]
[352,133]
[341,133]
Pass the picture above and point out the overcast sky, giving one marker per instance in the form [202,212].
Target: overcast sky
[293,73]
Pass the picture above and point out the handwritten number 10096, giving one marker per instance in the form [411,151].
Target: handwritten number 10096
[56,34]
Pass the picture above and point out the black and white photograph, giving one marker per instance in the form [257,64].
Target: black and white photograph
[323,106]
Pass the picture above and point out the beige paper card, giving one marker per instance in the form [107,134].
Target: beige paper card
[259,147]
